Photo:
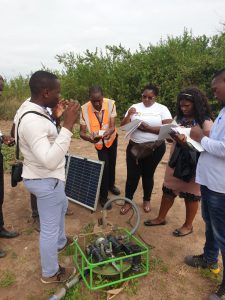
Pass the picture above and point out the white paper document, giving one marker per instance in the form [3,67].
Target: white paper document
[165,130]
[186,132]
[131,127]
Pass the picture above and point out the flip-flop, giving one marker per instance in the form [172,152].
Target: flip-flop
[178,233]
[125,208]
[149,223]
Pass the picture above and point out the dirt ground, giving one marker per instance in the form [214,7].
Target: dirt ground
[171,279]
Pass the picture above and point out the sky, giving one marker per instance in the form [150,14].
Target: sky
[33,32]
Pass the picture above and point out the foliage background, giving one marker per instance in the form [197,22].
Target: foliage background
[172,64]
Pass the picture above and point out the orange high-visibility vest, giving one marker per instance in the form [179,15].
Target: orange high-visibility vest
[93,124]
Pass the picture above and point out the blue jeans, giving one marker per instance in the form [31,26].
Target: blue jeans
[213,213]
[52,205]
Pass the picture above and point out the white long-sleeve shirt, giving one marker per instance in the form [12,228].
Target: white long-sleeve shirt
[211,164]
[42,147]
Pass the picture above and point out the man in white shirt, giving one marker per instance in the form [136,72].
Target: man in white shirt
[210,175]
[33,199]
[44,150]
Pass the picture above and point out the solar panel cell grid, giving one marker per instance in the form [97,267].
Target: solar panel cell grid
[83,181]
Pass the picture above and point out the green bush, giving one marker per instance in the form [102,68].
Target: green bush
[172,64]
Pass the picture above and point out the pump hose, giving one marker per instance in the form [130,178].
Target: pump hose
[135,208]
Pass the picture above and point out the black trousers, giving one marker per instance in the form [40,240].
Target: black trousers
[1,189]
[145,168]
[108,155]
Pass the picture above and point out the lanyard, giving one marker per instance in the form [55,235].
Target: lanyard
[100,120]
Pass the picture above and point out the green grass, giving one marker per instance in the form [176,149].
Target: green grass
[9,156]
[156,264]
[7,279]
[206,273]
[81,292]
[50,291]
[76,132]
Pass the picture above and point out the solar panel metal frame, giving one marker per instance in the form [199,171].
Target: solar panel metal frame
[99,180]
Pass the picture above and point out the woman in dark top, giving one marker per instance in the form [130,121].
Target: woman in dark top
[192,110]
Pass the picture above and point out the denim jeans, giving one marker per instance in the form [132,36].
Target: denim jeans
[213,213]
[52,205]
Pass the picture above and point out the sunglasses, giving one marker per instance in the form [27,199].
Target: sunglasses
[147,97]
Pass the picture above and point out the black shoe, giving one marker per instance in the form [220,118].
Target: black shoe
[198,261]
[219,294]
[103,202]
[2,253]
[8,234]
[115,191]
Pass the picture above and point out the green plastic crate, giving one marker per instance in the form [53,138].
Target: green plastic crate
[84,264]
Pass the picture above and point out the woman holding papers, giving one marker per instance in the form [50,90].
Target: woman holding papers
[144,150]
[192,110]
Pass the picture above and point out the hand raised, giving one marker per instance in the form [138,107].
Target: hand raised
[71,115]
[131,111]
[59,109]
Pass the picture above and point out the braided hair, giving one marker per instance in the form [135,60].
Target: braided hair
[201,107]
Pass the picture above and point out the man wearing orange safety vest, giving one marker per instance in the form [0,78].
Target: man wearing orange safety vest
[98,117]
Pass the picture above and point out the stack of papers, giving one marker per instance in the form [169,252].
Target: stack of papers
[131,127]
[164,132]
[166,129]
[186,132]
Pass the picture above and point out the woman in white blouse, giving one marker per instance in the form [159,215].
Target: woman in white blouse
[144,151]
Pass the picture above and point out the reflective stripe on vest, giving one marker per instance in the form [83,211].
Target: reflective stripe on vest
[93,124]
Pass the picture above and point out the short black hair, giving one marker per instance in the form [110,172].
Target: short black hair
[95,89]
[41,80]
[151,87]
[218,73]
[202,110]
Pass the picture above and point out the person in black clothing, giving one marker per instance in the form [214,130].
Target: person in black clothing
[7,141]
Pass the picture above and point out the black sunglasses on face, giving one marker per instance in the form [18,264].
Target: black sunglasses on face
[146,97]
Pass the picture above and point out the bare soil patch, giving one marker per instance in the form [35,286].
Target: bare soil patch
[169,277]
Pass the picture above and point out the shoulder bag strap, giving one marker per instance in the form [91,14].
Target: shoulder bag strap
[28,112]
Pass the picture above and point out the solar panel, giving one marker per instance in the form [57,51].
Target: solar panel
[83,180]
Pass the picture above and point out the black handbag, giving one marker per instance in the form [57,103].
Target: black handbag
[184,161]
[16,173]
[17,166]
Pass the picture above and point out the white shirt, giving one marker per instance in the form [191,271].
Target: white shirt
[42,147]
[153,115]
[211,164]
[16,115]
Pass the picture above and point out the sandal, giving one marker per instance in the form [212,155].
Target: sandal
[146,206]
[178,233]
[125,208]
[149,223]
